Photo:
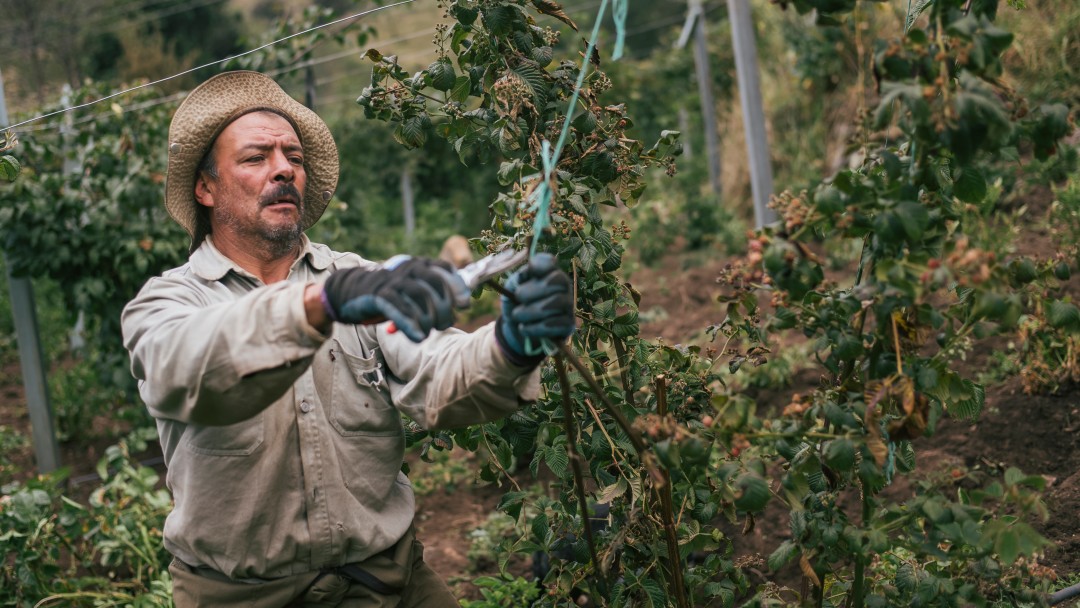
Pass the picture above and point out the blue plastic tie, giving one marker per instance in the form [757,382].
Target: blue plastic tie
[542,195]
[619,8]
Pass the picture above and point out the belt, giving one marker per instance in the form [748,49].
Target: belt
[351,571]
[359,575]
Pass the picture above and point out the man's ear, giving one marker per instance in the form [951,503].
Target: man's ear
[203,193]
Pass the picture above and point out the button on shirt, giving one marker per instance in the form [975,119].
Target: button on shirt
[283,445]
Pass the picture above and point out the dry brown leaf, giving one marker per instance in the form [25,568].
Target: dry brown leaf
[548,7]
[808,570]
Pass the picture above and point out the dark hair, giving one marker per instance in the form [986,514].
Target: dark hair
[208,164]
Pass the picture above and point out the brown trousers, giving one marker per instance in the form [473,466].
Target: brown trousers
[402,568]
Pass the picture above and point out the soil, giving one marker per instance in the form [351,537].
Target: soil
[1038,434]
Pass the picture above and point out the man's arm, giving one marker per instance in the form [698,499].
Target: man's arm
[217,362]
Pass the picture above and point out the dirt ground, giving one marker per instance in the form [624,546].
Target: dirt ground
[1038,434]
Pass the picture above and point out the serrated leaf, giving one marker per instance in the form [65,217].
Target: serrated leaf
[442,74]
[542,55]
[613,491]
[782,555]
[1063,315]
[411,133]
[906,581]
[656,593]
[1007,545]
[970,186]
[9,168]
[462,89]
[540,528]
[971,407]
[636,488]
[548,7]
[914,12]
[533,76]
[499,20]
[511,503]
[557,460]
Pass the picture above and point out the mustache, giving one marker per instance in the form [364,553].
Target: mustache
[287,191]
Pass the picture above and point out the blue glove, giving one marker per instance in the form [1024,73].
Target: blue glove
[542,307]
[416,294]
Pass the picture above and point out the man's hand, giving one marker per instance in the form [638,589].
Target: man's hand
[542,307]
[416,294]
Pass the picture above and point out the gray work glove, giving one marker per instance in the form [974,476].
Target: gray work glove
[542,307]
[417,294]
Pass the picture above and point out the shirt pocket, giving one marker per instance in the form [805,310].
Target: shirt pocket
[359,405]
[237,439]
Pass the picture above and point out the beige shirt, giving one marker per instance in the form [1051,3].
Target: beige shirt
[284,446]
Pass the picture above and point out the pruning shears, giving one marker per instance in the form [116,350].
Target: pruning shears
[481,271]
[487,268]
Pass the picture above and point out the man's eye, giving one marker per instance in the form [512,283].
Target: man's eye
[297,160]
[255,159]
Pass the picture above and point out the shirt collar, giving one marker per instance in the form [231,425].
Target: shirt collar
[210,264]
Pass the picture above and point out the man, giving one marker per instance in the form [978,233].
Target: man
[277,387]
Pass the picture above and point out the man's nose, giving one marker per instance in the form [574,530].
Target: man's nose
[284,170]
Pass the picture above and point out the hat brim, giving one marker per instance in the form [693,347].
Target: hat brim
[210,107]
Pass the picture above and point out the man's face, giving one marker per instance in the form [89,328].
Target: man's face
[257,197]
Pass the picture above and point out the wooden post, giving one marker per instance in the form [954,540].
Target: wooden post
[46,450]
[757,145]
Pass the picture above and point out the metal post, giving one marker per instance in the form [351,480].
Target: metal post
[76,340]
[695,23]
[757,145]
[46,449]
[708,102]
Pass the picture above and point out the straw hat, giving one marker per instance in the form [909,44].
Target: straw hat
[205,113]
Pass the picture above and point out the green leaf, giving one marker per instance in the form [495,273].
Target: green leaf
[462,89]
[914,218]
[9,168]
[465,15]
[1007,545]
[411,132]
[840,454]
[782,555]
[970,186]
[656,593]
[1051,124]
[541,530]
[613,491]
[499,20]
[971,407]
[914,11]
[533,76]
[557,460]
[906,580]
[1063,315]
[542,55]
[751,493]
[442,74]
